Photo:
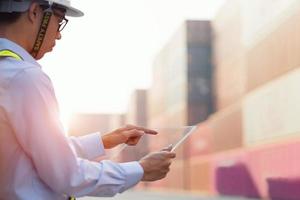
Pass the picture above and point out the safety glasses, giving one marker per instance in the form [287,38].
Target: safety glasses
[58,12]
[62,22]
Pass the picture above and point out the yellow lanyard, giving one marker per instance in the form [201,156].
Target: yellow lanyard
[9,53]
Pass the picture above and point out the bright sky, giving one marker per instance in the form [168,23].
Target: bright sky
[109,52]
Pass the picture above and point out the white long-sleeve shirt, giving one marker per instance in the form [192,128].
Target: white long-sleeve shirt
[37,160]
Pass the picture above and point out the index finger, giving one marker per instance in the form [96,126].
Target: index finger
[147,131]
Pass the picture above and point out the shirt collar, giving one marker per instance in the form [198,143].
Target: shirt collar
[10,45]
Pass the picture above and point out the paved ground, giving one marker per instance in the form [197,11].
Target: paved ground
[130,195]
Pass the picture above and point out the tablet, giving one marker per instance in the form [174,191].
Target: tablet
[184,137]
[152,143]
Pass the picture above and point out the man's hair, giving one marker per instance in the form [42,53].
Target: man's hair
[9,18]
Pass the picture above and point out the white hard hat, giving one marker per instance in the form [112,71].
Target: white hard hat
[22,5]
[71,11]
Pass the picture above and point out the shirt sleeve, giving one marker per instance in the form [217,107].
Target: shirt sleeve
[35,120]
[88,146]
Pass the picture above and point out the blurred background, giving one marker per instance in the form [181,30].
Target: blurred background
[231,67]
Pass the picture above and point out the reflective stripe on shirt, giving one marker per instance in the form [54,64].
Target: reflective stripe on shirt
[9,53]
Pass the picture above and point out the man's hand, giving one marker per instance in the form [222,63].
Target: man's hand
[129,135]
[157,165]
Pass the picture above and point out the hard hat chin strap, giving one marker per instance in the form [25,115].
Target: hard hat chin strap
[42,32]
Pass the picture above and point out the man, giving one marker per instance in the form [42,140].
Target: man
[37,160]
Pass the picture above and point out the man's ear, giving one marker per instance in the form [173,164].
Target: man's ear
[33,12]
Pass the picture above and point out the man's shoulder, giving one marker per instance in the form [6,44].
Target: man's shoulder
[22,74]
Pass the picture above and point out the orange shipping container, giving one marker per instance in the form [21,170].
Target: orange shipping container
[227,128]
[201,177]
[274,55]
[200,142]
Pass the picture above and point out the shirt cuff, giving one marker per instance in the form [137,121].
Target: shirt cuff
[93,145]
[134,174]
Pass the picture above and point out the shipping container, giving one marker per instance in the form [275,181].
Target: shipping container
[181,93]
[275,54]
[227,128]
[200,142]
[230,81]
[229,77]
[256,170]
[271,112]
[201,175]
[137,108]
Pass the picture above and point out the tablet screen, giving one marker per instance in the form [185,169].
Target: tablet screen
[175,136]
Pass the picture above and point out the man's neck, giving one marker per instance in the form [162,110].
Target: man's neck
[15,34]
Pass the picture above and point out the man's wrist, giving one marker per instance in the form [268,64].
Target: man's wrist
[104,141]
[134,173]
